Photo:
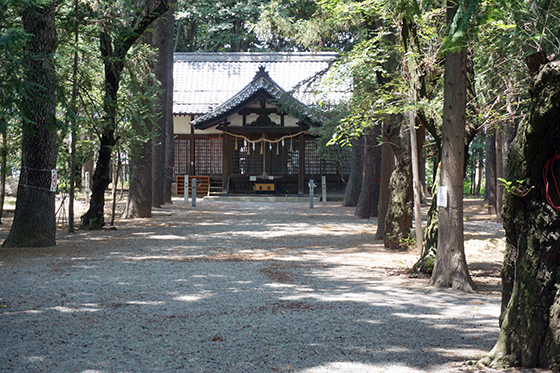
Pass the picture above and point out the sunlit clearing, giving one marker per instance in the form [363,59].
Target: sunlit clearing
[35,359]
[351,367]
[73,310]
[99,238]
[143,303]
[167,237]
[193,297]
[294,287]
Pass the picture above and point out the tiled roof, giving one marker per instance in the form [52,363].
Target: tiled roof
[203,81]
[261,82]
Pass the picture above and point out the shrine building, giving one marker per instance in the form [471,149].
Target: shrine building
[242,126]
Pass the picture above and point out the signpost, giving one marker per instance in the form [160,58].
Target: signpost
[324,189]
[194,182]
[54,180]
[186,194]
[312,187]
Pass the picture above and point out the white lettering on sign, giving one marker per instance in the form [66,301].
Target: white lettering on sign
[54,180]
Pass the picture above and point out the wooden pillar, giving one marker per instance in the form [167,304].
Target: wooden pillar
[226,162]
[190,166]
[301,168]
[264,150]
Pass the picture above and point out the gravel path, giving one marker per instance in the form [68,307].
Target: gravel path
[233,287]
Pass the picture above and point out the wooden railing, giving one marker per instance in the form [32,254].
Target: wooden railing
[203,184]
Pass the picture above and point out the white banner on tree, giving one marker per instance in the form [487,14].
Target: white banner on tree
[54,180]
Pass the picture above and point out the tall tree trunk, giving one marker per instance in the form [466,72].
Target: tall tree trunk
[369,194]
[530,318]
[34,220]
[509,126]
[398,221]
[3,171]
[433,122]
[499,175]
[450,268]
[387,166]
[114,53]
[478,177]
[421,140]
[158,42]
[425,263]
[139,203]
[141,184]
[490,170]
[168,83]
[416,181]
[354,185]
[115,181]
[73,134]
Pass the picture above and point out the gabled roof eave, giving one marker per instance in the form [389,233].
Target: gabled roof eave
[261,83]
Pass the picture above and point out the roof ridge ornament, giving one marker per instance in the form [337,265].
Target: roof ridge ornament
[262,72]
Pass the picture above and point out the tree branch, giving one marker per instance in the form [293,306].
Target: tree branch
[121,49]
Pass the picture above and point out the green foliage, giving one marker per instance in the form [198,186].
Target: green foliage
[329,117]
[92,224]
[216,26]
[404,241]
[516,187]
[459,28]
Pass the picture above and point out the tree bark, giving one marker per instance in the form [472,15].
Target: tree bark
[398,221]
[416,182]
[3,171]
[433,123]
[450,268]
[139,203]
[478,178]
[499,175]
[115,182]
[355,178]
[530,318]
[141,184]
[425,263]
[34,220]
[369,194]
[113,51]
[490,170]
[162,40]
[387,166]
[169,156]
[73,126]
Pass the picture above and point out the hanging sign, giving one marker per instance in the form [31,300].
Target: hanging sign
[54,180]
[442,196]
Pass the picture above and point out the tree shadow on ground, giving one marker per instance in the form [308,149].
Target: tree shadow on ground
[232,289]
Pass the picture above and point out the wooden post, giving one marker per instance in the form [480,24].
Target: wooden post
[192,150]
[324,189]
[226,160]
[301,168]
[416,181]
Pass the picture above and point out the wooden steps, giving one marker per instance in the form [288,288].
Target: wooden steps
[215,187]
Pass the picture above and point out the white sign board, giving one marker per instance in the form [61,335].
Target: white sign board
[442,196]
[54,180]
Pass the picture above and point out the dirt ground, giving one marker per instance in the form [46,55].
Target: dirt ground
[484,237]
[292,245]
